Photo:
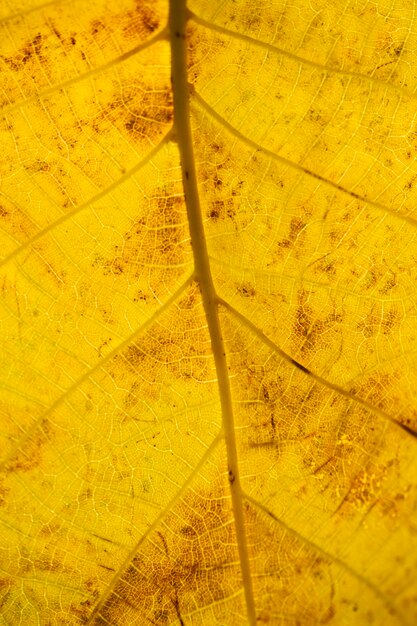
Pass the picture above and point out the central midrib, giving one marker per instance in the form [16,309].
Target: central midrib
[177,29]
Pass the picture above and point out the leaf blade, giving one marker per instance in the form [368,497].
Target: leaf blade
[114,446]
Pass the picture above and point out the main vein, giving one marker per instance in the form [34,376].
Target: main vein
[177,28]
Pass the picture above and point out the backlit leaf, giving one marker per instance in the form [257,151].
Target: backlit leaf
[208,313]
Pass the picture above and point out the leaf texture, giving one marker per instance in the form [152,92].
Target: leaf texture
[208,313]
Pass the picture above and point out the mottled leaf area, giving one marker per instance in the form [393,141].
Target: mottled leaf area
[140,483]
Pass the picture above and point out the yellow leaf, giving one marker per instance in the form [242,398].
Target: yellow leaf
[208,313]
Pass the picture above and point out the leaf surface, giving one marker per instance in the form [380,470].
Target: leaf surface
[208,315]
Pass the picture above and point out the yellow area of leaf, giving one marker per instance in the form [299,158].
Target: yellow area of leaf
[208,408]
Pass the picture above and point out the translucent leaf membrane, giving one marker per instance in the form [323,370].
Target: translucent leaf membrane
[370,39]
[208,410]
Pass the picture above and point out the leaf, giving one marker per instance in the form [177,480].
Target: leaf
[208,313]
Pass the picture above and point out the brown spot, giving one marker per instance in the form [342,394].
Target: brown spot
[5,582]
[379,276]
[56,32]
[295,575]
[6,585]
[38,165]
[397,508]
[142,21]
[343,459]
[176,349]
[282,407]
[30,457]
[142,114]
[192,566]
[188,531]
[102,345]
[27,53]
[201,44]
[83,609]
[66,41]
[379,321]
[309,333]
[168,349]
[325,265]
[316,116]
[296,227]
[246,290]
[97,26]
[344,456]
[135,356]
[155,245]
[51,529]
[51,564]
[222,194]
[132,397]
[397,49]
[142,296]
[222,209]
[191,298]
[4,491]
[384,390]
[272,415]
[56,276]
[389,284]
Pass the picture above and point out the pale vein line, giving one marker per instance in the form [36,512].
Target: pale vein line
[163,514]
[24,13]
[48,581]
[290,55]
[387,601]
[296,166]
[201,611]
[335,288]
[319,379]
[105,359]
[69,521]
[94,72]
[67,216]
